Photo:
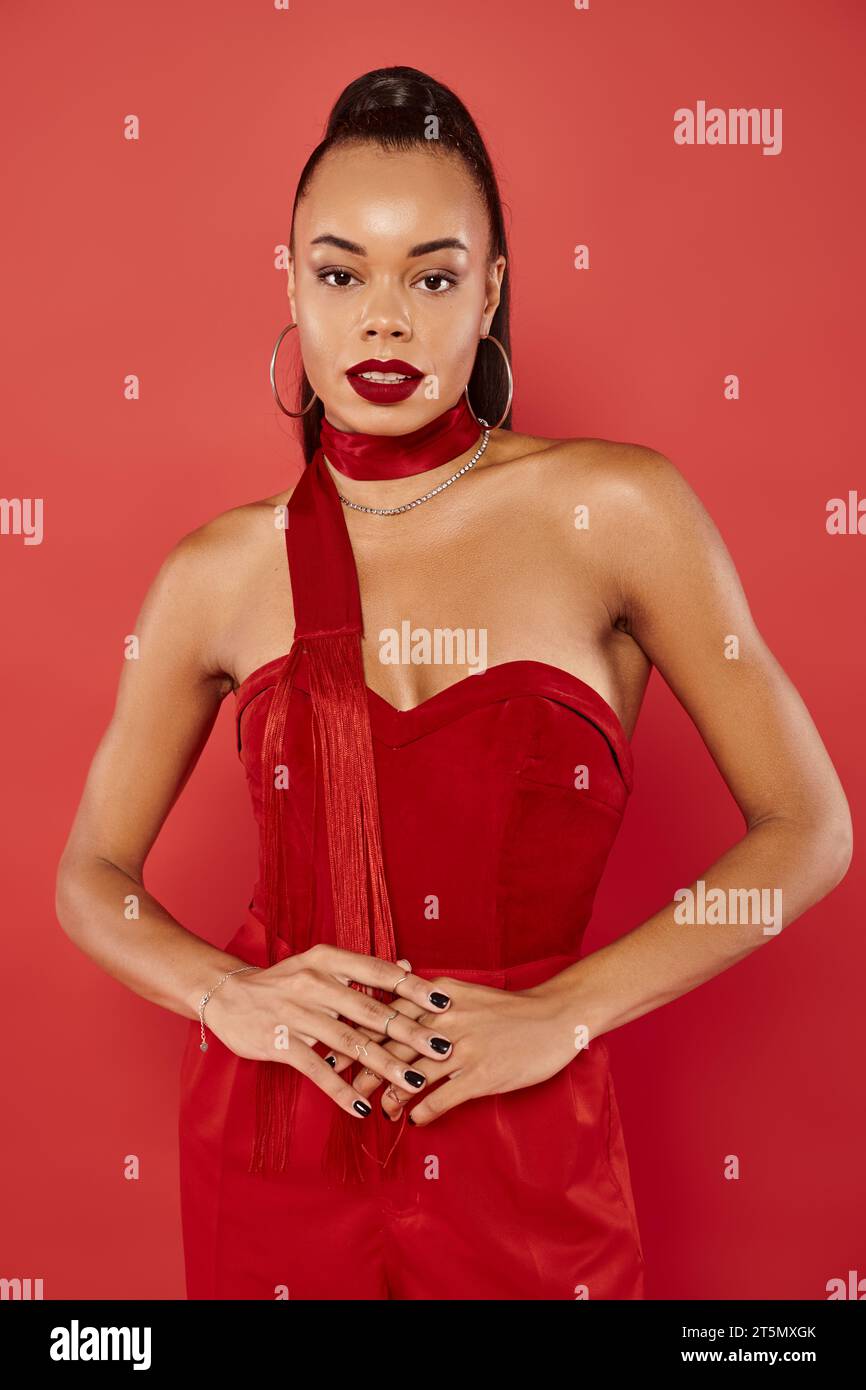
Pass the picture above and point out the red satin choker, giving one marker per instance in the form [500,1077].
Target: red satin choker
[371,456]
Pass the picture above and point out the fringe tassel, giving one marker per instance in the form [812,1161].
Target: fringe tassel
[276,1082]
[362,910]
[341,715]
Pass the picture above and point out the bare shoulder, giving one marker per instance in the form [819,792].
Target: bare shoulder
[232,537]
[629,504]
[626,488]
[624,469]
[653,538]
[208,574]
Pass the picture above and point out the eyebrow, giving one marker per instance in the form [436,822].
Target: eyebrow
[424,248]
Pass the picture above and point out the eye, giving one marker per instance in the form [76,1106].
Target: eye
[449,280]
[324,274]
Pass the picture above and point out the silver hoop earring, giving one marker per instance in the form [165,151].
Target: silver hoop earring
[477,418]
[294,413]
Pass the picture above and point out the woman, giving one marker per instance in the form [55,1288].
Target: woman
[431,841]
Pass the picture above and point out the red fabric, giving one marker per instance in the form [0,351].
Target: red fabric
[371,456]
[492,859]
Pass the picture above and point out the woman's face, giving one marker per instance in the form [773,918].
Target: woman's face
[371,282]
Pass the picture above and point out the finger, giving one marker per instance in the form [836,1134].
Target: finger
[370,1085]
[311,1041]
[381,974]
[393,1097]
[342,1037]
[310,1064]
[367,1081]
[404,1051]
[338,1061]
[392,1100]
[454,1092]
[308,987]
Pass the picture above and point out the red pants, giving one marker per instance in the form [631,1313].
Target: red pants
[524,1195]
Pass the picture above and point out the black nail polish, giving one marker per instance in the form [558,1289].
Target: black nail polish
[331,1061]
[440,1044]
[414,1078]
[439,1000]
[409,1118]
[361,1106]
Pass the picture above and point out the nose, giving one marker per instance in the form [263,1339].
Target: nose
[385,315]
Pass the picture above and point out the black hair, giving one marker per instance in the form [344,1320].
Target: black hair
[393,107]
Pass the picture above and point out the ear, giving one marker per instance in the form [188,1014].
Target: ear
[495,273]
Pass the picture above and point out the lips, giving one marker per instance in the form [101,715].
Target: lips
[384,392]
[390,364]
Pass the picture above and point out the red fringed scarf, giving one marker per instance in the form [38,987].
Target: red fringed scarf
[329,627]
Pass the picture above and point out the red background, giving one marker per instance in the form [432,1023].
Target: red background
[155,257]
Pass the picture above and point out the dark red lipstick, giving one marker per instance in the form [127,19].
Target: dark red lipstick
[384,392]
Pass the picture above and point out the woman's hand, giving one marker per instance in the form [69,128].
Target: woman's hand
[281,1012]
[503,1040]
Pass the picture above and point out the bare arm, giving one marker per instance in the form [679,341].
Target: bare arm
[167,701]
[688,612]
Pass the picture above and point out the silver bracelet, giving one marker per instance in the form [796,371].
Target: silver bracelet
[205,997]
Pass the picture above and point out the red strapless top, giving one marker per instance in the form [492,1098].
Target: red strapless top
[500,798]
